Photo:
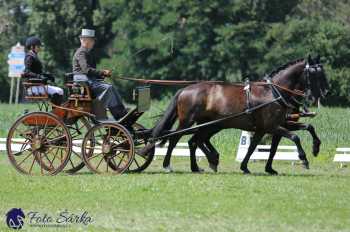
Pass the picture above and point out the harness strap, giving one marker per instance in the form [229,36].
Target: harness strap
[192,129]
[247,93]
[179,82]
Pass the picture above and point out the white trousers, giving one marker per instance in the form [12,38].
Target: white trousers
[41,90]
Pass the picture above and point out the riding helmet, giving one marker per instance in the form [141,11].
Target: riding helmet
[33,41]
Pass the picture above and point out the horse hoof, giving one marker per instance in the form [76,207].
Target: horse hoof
[245,171]
[306,165]
[213,167]
[198,170]
[168,169]
[316,148]
[271,172]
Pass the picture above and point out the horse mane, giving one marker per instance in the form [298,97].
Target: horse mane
[284,67]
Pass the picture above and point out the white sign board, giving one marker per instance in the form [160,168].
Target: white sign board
[262,152]
[16,61]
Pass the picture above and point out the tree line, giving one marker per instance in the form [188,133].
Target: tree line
[187,40]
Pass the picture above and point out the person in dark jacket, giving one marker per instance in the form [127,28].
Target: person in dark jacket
[84,64]
[34,70]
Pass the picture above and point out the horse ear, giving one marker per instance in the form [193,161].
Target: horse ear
[318,59]
[309,59]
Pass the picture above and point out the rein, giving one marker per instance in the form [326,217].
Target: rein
[165,82]
[293,92]
[178,82]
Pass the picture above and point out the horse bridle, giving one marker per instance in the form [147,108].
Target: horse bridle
[313,68]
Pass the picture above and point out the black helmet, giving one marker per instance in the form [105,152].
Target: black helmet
[33,41]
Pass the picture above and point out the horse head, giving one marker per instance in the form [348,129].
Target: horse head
[306,75]
[315,79]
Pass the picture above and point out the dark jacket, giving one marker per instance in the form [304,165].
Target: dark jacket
[84,63]
[33,66]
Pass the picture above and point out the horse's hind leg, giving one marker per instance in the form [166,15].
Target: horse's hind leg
[192,144]
[316,142]
[215,156]
[274,144]
[172,143]
[254,142]
[203,142]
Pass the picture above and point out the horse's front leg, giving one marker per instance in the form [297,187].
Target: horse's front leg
[254,142]
[274,144]
[316,142]
[295,138]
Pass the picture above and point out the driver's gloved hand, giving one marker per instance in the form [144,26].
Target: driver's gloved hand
[43,78]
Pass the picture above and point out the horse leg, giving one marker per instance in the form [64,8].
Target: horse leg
[295,138]
[192,144]
[198,140]
[254,142]
[213,164]
[172,143]
[274,144]
[316,142]
[210,152]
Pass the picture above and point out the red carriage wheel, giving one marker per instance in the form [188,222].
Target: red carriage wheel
[112,148]
[140,162]
[39,144]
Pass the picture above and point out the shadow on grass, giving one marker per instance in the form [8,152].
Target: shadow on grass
[225,173]
[220,173]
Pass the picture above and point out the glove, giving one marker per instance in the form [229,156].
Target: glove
[106,73]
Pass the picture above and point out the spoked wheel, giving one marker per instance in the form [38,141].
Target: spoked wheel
[77,130]
[140,162]
[112,148]
[39,144]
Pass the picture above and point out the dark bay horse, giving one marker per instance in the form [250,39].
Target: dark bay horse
[205,102]
[317,89]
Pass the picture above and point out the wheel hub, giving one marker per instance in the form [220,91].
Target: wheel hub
[106,148]
[37,143]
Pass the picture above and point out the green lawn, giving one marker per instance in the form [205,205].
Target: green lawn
[296,200]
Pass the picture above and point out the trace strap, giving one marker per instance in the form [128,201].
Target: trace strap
[189,130]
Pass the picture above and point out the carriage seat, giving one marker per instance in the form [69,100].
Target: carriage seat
[35,89]
[78,88]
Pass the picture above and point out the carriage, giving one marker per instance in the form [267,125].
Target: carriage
[77,133]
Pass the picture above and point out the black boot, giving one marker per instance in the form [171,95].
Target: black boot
[57,99]
[118,112]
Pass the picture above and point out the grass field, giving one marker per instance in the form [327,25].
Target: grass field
[296,200]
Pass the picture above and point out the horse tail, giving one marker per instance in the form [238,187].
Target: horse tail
[168,119]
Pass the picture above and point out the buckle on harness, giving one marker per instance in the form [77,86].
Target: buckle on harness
[247,93]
